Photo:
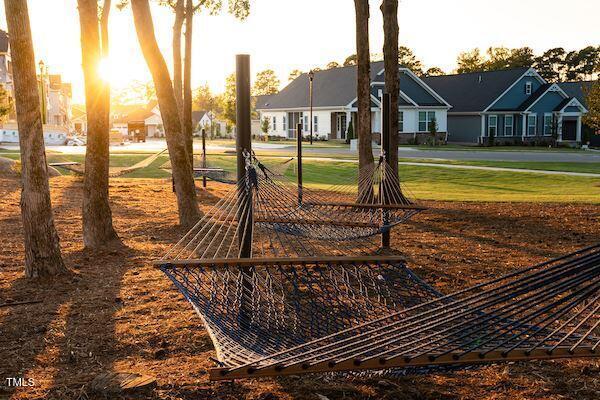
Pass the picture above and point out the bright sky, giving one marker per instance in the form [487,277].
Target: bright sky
[286,34]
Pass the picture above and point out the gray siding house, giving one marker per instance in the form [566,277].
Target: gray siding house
[335,104]
[513,106]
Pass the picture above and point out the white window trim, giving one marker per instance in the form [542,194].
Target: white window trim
[315,123]
[274,124]
[549,132]
[284,124]
[528,88]
[529,125]
[512,125]
[427,120]
[495,126]
[400,121]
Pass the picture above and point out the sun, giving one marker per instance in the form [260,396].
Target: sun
[105,70]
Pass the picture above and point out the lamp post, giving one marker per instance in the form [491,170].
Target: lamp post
[311,76]
[42,94]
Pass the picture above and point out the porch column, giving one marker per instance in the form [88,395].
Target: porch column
[524,127]
[348,119]
[482,127]
[578,136]
[559,127]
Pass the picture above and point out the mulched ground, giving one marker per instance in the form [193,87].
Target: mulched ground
[114,312]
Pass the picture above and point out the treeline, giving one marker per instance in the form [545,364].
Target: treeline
[556,64]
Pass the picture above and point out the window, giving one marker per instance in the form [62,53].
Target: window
[531,125]
[509,122]
[425,120]
[315,123]
[492,125]
[400,121]
[548,122]
[284,125]
[528,87]
[305,124]
[274,123]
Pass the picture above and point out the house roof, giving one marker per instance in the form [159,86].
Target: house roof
[131,112]
[534,97]
[3,41]
[576,89]
[334,87]
[473,92]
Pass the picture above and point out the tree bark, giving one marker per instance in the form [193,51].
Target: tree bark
[98,229]
[179,9]
[363,90]
[389,9]
[187,81]
[42,247]
[180,163]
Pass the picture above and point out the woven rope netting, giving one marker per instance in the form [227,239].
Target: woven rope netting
[286,283]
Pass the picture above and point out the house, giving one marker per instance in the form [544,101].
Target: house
[58,100]
[126,117]
[208,120]
[6,77]
[512,106]
[53,134]
[335,104]
[79,119]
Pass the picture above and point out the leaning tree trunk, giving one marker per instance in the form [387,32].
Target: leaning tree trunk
[42,247]
[389,9]
[180,163]
[187,81]
[98,229]
[363,89]
[176,44]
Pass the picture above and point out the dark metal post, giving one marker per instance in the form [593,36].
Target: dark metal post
[311,76]
[386,151]
[299,154]
[244,147]
[204,157]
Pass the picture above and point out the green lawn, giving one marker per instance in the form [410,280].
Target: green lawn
[592,167]
[494,148]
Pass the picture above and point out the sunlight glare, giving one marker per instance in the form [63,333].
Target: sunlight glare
[105,70]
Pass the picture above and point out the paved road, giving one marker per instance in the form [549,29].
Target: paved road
[485,155]
[155,145]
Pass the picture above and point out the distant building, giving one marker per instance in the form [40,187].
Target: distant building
[124,117]
[6,76]
[58,111]
[79,119]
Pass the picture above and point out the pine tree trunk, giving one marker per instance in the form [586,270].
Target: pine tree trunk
[98,229]
[180,163]
[187,81]
[176,44]
[363,89]
[389,9]
[42,247]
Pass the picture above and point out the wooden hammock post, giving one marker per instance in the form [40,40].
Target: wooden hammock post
[386,150]
[244,148]
[203,156]
[299,154]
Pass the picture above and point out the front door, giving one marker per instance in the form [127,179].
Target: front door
[294,118]
[569,130]
[342,126]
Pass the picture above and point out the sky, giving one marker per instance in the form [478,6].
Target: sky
[284,35]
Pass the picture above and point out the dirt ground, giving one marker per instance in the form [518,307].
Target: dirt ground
[115,312]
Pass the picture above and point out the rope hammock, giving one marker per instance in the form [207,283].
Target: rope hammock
[301,305]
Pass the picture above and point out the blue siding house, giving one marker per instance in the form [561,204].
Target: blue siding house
[512,106]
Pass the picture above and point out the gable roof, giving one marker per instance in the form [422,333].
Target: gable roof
[576,89]
[331,88]
[475,91]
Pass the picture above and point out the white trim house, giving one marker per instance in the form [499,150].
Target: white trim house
[334,104]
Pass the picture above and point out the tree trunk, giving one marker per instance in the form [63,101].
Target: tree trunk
[177,27]
[98,229]
[180,163]
[363,89]
[389,9]
[187,81]
[42,247]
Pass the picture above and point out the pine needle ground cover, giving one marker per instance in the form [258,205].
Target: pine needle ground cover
[115,312]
